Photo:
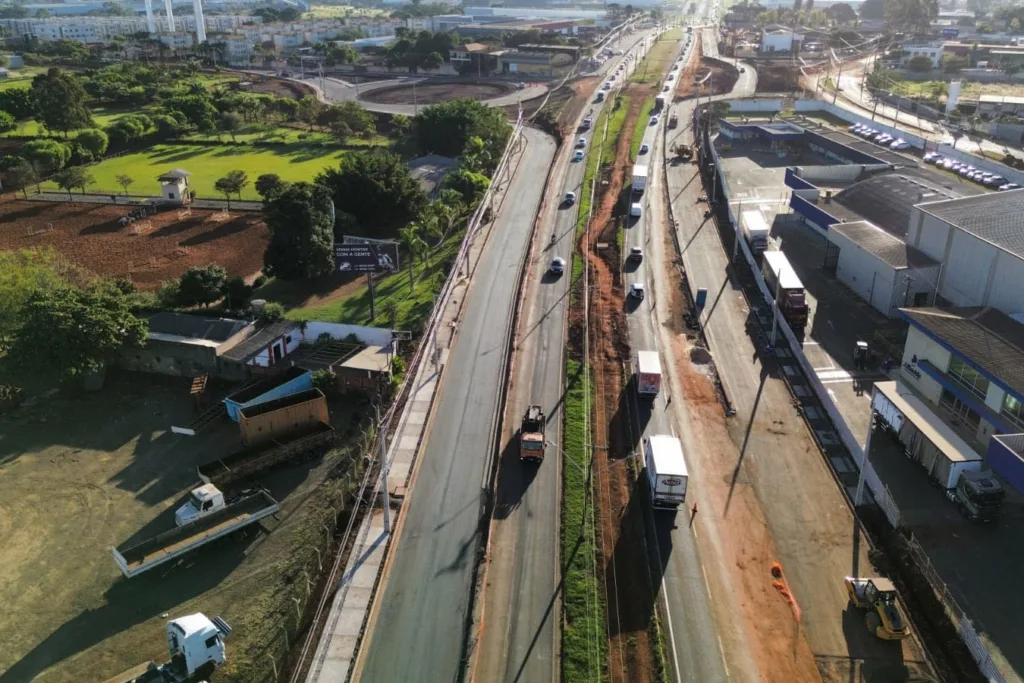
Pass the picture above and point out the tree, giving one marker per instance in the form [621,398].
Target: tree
[20,175]
[445,128]
[46,156]
[125,181]
[309,110]
[93,141]
[233,183]
[842,13]
[375,188]
[920,64]
[70,332]
[18,102]
[911,15]
[7,123]
[60,102]
[872,9]
[23,272]
[201,285]
[167,126]
[269,185]
[236,293]
[470,186]
[401,125]
[73,177]
[229,123]
[414,244]
[301,243]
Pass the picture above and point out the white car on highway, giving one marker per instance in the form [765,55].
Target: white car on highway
[558,265]
[636,290]
[636,210]
[578,156]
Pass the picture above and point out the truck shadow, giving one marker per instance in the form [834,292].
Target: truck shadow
[629,570]
[130,602]
[515,477]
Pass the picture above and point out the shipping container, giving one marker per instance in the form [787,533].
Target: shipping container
[274,419]
[291,381]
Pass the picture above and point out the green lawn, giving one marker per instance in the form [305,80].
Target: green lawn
[411,304]
[21,78]
[207,164]
[655,65]
[101,116]
[287,134]
[584,639]
[640,128]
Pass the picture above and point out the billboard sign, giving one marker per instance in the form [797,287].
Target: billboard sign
[950,32]
[366,258]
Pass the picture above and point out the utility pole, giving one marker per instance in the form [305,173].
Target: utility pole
[384,467]
[839,79]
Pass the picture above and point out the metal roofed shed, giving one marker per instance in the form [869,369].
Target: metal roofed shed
[267,345]
[990,339]
[291,381]
[887,200]
[194,329]
[880,268]
[996,218]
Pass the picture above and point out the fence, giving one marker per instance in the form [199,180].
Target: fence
[878,489]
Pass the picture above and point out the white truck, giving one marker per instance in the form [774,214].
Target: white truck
[755,230]
[666,471]
[196,646]
[639,178]
[209,525]
[947,459]
[648,373]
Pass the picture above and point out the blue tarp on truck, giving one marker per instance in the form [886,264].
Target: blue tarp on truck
[291,381]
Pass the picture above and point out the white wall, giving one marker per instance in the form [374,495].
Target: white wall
[1006,286]
[766,105]
[969,263]
[837,172]
[371,336]
[920,345]
[865,274]
[928,234]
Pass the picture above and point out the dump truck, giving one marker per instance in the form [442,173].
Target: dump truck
[172,544]
[307,441]
[787,289]
[531,434]
[666,471]
[196,647]
[648,373]
[879,597]
[639,178]
[673,121]
[949,461]
[755,230]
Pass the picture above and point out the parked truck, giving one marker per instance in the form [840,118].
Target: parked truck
[531,434]
[639,178]
[950,463]
[196,647]
[755,230]
[673,120]
[169,545]
[648,373]
[788,291]
[659,103]
[246,462]
[666,471]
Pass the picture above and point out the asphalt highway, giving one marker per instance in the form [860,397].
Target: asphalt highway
[520,635]
[418,630]
[694,648]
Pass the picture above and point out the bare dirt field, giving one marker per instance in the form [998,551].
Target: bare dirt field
[774,78]
[82,473]
[89,235]
[279,87]
[437,92]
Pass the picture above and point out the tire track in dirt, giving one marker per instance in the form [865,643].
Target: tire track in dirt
[629,596]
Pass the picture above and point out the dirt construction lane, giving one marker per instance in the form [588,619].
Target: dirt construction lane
[766,493]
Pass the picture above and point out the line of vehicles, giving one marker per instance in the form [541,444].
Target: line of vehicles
[879,137]
[990,180]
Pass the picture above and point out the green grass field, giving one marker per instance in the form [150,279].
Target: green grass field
[101,116]
[654,66]
[21,78]
[640,128]
[584,639]
[207,164]
[410,305]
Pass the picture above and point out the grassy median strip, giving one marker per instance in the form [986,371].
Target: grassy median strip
[584,641]
[642,122]
[654,66]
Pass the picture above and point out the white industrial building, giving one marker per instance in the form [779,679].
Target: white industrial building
[980,243]
[933,51]
[780,40]
[968,362]
[882,269]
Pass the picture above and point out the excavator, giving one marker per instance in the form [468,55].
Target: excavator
[878,596]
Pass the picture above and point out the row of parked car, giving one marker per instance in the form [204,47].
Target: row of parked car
[990,180]
[879,137]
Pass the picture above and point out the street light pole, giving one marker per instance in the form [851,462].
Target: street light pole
[385,466]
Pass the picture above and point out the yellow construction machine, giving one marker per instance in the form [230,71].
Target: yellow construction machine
[884,617]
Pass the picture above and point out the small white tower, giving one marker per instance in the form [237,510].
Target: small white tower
[197,7]
[170,15]
[150,21]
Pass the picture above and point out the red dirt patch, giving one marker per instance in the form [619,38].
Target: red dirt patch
[88,235]
[439,92]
